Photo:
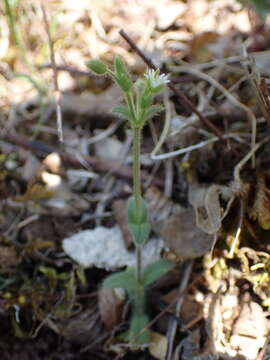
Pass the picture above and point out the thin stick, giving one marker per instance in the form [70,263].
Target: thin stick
[182,286]
[57,92]
[227,94]
[179,93]
[236,238]
[76,160]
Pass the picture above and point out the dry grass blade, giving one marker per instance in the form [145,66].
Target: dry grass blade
[183,285]
[57,92]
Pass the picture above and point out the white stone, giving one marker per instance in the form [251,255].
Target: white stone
[104,248]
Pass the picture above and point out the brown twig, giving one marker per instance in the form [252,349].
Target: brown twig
[180,298]
[72,70]
[68,159]
[57,92]
[178,92]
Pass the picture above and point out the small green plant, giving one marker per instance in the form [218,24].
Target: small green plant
[139,98]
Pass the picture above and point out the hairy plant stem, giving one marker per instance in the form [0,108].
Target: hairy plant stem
[139,264]
[137,168]
[137,192]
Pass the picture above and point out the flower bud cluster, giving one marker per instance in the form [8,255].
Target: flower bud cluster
[139,96]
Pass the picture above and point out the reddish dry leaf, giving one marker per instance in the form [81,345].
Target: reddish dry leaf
[177,226]
[110,307]
[35,192]
[199,45]
[119,210]
[261,208]
[9,259]
[191,310]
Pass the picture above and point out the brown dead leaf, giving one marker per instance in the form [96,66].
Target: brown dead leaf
[191,310]
[261,208]
[183,237]
[158,346]
[250,330]
[35,192]
[42,228]
[199,47]
[177,226]
[110,306]
[119,211]
[9,259]
[82,328]
[4,188]
[205,201]
[160,207]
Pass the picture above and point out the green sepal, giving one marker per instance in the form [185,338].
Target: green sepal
[97,67]
[157,89]
[136,334]
[123,279]
[137,219]
[146,99]
[155,270]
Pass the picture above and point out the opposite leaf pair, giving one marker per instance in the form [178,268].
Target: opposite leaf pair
[138,333]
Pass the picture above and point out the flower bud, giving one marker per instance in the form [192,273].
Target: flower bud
[155,80]
[97,67]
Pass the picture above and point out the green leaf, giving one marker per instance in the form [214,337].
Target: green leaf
[124,279]
[121,75]
[137,324]
[122,110]
[138,223]
[155,270]
[97,67]
[152,111]
[140,232]
[137,217]
[120,69]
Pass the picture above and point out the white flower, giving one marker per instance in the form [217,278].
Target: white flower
[156,81]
